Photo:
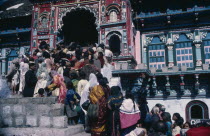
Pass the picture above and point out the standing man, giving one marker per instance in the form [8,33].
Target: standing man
[30,81]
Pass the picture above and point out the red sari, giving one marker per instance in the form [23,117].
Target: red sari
[97,95]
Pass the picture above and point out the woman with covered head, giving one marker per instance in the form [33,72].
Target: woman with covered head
[129,114]
[97,97]
[43,77]
[85,96]
[24,67]
[58,88]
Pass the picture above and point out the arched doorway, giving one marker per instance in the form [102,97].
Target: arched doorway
[196,110]
[114,44]
[79,26]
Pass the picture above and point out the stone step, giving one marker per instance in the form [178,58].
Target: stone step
[83,134]
[29,100]
[69,131]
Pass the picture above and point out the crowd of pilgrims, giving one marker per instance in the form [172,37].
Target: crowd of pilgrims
[80,79]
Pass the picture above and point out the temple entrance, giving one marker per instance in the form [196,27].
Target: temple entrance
[114,44]
[79,26]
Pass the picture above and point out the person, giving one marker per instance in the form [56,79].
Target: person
[144,111]
[186,127]
[40,92]
[71,102]
[24,67]
[74,80]
[176,117]
[58,88]
[16,79]
[155,115]
[114,102]
[48,61]
[43,77]
[159,128]
[97,96]
[129,115]
[178,122]
[167,119]
[138,132]
[30,81]
[84,97]
[82,83]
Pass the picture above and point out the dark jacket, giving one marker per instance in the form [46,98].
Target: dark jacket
[30,83]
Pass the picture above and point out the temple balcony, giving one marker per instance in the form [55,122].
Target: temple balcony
[165,83]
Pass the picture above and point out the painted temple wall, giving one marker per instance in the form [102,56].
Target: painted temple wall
[137,48]
[176,105]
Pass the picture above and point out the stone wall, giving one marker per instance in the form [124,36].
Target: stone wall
[32,112]
[177,105]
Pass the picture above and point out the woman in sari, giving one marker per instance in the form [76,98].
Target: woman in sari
[98,96]
[58,88]
[85,97]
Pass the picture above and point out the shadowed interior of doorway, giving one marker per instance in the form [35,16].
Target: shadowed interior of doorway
[79,26]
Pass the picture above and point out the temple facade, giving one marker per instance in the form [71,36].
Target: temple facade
[162,49]
[108,22]
[171,59]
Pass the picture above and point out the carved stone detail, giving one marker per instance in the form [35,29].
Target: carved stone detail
[175,37]
[203,35]
[170,47]
[8,51]
[197,45]
[63,11]
[148,40]
[190,36]
[169,41]
[163,38]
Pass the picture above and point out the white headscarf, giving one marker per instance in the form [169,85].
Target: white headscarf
[92,82]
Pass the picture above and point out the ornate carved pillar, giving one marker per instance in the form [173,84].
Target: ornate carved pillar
[167,83]
[170,56]
[182,84]
[147,41]
[170,45]
[198,36]
[197,81]
[198,56]
[147,87]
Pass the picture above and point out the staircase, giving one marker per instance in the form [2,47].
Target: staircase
[35,117]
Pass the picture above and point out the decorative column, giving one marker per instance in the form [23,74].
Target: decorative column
[146,42]
[147,87]
[197,42]
[198,56]
[168,85]
[170,54]
[182,84]
[197,84]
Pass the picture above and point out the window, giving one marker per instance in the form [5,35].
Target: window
[196,112]
[157,56]
[184,56]
[206,44]
[113,16]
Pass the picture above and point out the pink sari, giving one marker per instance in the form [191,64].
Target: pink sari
[59,81]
